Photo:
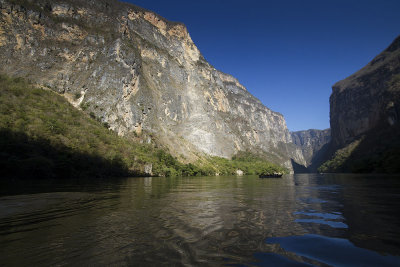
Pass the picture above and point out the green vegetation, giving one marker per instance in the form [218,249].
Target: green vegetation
[43,136]
[247,162]
[378,151]
[337,163]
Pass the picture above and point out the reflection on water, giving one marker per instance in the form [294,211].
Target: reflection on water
[332,251]
[297,220]
[332,219]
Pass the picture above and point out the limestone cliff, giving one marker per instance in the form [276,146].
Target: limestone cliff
[139,73]
[312,143]
[364,116]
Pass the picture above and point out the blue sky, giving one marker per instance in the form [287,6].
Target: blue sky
[287,53]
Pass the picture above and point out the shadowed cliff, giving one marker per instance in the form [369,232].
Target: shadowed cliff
[364,117]
[315,146]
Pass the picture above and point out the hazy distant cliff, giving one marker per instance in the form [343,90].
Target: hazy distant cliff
[140,74]
[311,142]
[365,113]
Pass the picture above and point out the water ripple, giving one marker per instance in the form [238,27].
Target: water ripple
[201,221]
[332,251]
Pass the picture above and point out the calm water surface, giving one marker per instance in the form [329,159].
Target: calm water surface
[298,220]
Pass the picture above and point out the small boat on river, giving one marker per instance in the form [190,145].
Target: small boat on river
[271,175]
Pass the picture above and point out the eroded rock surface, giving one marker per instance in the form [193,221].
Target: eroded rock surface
[139,73]
[364,117]
[311,142]
[368,99]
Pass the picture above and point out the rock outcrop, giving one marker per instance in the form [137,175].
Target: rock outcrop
[368,99]
[364,116]
[140,74]
[312,143]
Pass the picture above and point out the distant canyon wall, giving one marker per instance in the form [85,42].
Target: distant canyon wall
[312,143]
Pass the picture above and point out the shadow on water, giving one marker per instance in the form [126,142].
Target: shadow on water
[22,156]
[369,204]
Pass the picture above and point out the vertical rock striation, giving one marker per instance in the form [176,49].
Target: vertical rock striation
[312,142]
[139,73]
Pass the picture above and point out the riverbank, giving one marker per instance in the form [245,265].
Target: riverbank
[44,136]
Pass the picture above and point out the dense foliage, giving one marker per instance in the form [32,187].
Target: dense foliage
[338,161]
[377,151]
[245,161]
[42,135]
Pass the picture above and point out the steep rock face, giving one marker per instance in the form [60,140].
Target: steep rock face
[368,99]
[364,114]
[311,142]
[141,74]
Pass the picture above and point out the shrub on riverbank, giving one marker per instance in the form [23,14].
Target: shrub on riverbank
[42,135]
[249,163]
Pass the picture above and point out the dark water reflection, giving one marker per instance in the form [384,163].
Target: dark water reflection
[297,220]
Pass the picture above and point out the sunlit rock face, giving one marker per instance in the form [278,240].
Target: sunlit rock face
[139,73]
[368,99]
[311,142]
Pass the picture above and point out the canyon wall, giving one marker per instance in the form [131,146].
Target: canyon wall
[367,99]
[312,143]
[364,117]
[140,74]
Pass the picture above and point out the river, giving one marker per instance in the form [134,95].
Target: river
[297,220]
